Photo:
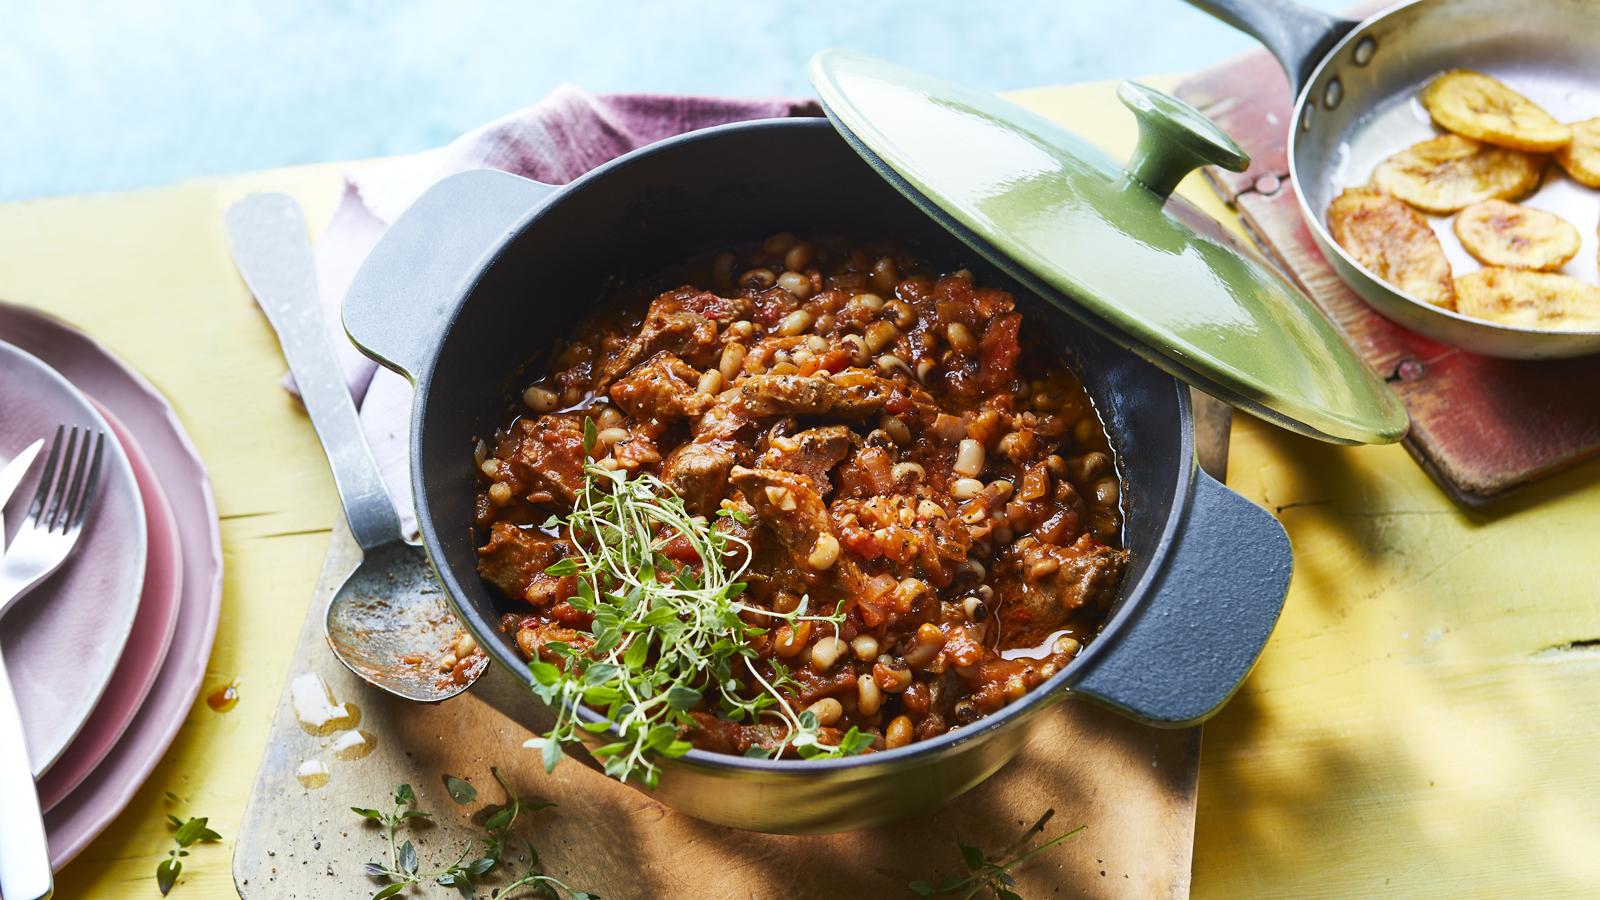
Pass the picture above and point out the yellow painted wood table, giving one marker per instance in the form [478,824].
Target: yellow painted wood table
[1425,720]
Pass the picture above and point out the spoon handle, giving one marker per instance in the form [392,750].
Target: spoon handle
[267,233]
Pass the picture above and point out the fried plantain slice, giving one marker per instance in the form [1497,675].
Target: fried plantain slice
[1477,106]
[1498,233]
[1529,299]
[1581,158]
[1444,174]
[1389,238]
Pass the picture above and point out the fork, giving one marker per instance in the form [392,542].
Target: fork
[56,518]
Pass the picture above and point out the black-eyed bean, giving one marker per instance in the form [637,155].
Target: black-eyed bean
[758,279]
[869,697]
[892,675]
[827,710]
[865,647]
[825,652]
[898,733]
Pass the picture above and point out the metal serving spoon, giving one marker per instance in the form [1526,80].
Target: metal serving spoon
[389,622]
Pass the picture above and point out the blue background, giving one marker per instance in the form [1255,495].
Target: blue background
[109,95]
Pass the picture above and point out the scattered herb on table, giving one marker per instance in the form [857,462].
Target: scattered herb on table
[186,834]
[403,865]
[985,874]
[465,874]
[460,790]
[664,635]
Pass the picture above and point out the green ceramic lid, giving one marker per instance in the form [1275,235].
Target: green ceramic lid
[1109,245]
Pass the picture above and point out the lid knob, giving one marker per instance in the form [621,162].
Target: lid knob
[1174,140]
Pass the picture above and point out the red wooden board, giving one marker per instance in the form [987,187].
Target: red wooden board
[1479,426]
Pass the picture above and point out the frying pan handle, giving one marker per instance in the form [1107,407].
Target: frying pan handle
[412,281]
[1206,619]
[1297,35]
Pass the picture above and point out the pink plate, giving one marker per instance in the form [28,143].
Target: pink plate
[63,640]
[75,821]
[147,645]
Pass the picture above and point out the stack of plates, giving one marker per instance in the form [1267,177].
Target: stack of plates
[108,655]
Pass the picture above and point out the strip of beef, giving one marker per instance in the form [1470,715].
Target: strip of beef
[811,685]
[721,736]
[788,504]
[683,321]
[725,421]
[535,634]
[514,560]
[853,393]
[545,457]
[788,507]
[699,474]
[786,395]
[1042,585]
[814,453]
[636,451]
[664,387]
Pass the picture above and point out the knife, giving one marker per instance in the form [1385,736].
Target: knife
[10,477]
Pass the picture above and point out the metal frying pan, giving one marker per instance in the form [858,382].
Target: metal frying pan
[1356,85]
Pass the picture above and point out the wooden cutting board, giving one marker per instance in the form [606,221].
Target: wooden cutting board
[1134,787]
[1479,426]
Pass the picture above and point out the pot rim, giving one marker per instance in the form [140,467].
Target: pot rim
[1134,598]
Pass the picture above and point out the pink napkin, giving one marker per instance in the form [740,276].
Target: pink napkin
[557,139]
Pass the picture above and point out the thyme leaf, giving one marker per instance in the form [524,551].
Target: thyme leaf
[186,833]
[985,874]
[460,790]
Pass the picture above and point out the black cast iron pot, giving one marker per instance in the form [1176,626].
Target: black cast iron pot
[487,270]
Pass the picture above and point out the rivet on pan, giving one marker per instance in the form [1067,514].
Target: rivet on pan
[1408,370]
[1332,94]
[1364,50]
[1305,119]
[1267,185]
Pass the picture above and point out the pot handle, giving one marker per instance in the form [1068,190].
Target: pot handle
[1212,607]
[1297,35]
[412,281]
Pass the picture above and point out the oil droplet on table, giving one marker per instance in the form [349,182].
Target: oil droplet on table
[312,774]
[353,744]
[319,713]
[224,698]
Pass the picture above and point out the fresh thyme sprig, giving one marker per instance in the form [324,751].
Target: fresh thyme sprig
[403,865]
[665,635]
[186,833]
[982,873]
[404,868]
